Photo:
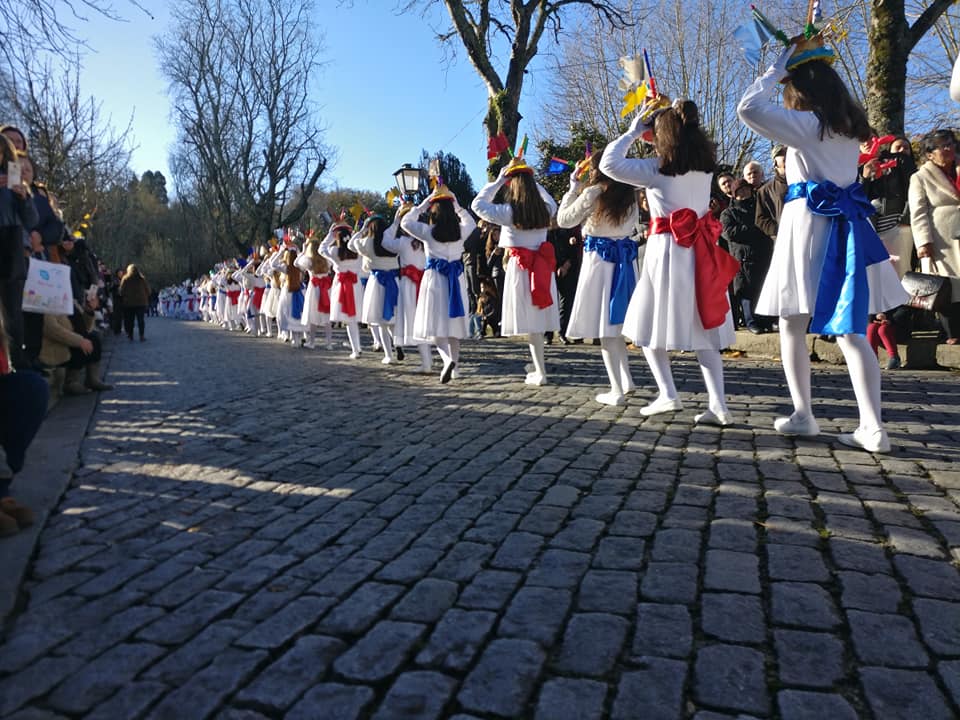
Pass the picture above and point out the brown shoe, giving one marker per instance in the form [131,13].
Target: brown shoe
[8,526]
[21,514]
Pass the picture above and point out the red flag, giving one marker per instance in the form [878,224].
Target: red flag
[496,145]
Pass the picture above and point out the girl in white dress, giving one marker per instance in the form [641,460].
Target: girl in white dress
[441,307]
[530,304]
[412,260]
[271,297]
[680,302]
[316,299]
[822,127]
[382,289]
[608,212]
[346,293]
[290,307]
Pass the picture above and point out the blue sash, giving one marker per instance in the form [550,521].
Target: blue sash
[451,270]
[391,290]
[843,295]
[296,311]
[623,253]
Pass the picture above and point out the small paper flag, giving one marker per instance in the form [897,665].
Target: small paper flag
[496,145]
[633,99]
[434,170]
[557,166]
[522,148]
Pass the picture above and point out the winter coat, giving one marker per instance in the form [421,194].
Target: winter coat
[748,244]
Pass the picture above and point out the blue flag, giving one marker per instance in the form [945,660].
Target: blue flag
[753,37]
[558,166]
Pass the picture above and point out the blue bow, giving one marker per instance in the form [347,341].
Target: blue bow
[843,296]
[391,290]
[623,253]
[296,311]
[452,270]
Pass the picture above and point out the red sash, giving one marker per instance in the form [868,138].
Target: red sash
[323,283]
[4,362]
[541,265]
[234,296]
[347,299]
[714,267]
[258,297]
[414,273]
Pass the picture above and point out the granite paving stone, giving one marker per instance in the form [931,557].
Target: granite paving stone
[571,699]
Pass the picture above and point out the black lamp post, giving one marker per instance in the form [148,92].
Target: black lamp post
[408,181]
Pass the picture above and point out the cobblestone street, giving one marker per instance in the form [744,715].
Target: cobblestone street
[256,531]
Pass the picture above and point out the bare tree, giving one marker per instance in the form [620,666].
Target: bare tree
[239,73]
[75,151]
[482,26]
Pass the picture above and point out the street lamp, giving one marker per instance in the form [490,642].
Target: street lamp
[408,180]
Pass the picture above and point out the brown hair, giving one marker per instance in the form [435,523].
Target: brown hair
[445,221]
[342,236]
[617,198]
[815,86]
[681,143]
[530,212]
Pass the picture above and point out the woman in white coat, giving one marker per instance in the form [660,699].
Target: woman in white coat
[935,218]
[608,212]
[680,302]
[530,304]
[413,261]
[441,307]
[826,272]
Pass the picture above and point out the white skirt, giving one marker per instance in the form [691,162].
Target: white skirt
[285,320]
[311,312]
[271,301]
[662,313]
[373,295]
[519,316]
[590,314]
[432,318]
[337,313]
[406,314]
[794,276]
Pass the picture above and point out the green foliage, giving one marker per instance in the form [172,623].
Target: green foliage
[572,151]
[454,174]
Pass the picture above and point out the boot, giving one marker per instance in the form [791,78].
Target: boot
[93,378]
[73,383]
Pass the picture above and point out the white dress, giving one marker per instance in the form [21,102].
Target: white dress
[337,312]
[798,253]
[373,291]
[519,316]
[663,311]
[590,314]
[408,256]
[285,318]
[311,296]
[432,318]
[271,296]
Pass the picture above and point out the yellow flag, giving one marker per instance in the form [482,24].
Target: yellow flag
[392,194]
[633,99]
[356,211]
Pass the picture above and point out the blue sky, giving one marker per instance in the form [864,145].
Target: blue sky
[385,92]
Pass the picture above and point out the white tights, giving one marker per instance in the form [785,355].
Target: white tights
[449,349]
[861,365]
[614,352]
[711,365]
[536,342]
[353,335]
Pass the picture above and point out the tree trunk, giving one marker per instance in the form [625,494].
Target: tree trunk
[887,66]
[503,116]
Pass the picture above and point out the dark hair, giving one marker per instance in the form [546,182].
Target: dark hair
[377,226]
[681,143]
[445,221]
[930,141]
[530,212]
[617,198]
[815,86]
[343,237]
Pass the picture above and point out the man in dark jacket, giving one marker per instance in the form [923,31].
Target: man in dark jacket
[770,195]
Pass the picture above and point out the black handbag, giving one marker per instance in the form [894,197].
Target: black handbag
[927,292]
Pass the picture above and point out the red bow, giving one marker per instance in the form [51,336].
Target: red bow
[234,296]
[347,300]
[541,265]
[714,268]
[258,297]
[323,283]
[413,273]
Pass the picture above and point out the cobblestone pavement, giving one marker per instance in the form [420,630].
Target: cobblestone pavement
[257,531]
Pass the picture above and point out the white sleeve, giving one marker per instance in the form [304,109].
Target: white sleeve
[576,206]
[467,223]
[616,165]
[955,81]
[496,213]
[326,248]
[302,263]
[412,225]
[760,113]
[390,240]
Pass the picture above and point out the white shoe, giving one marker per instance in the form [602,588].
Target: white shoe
[610,398]
[874,441]
[387,361]
[797,425]
[354,355]
[376,346]
[629,389]
[662,405]
[535,378]
[711,418]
